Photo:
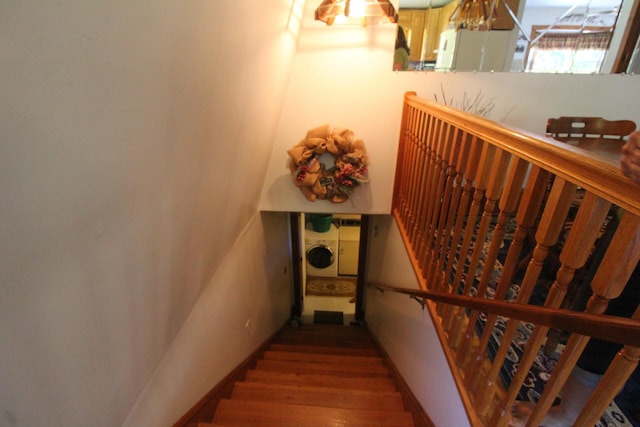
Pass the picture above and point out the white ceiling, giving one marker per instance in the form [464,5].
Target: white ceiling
[411,4]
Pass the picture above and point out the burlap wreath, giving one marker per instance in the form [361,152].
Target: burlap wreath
[336,183]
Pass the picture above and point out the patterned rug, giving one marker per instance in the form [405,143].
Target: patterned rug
[543,365]
[331,286]
[540,370]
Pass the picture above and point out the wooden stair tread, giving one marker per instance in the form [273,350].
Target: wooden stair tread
[321,367]
[318,396]
[269,414]
[323,358]
[327,335]
[346,382]
[314,375]
[318,349]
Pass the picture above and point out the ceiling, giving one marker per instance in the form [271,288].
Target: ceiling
[417,4]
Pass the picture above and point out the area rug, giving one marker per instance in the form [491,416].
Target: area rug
[543,365]
[331,286]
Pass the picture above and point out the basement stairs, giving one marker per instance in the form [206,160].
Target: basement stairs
[315,375]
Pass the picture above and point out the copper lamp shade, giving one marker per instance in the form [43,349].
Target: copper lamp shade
[361,12]
[475,15]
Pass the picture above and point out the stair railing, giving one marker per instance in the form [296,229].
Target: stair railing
[493,218]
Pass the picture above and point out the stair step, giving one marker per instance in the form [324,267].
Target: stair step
[317,349]
[318,396]
[269,414]
[345,382]
[322,358]
[328,335]
[352,369]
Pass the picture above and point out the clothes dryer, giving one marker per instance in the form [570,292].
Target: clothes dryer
[321,252]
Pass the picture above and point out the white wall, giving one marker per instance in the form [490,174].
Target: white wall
[134,138]
[405,330]
[342,76]
[246,301]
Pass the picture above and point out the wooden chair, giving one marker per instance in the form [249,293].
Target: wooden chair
[566,127]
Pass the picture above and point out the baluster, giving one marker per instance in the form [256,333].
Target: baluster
[525,219]
[402,175]
[493,192]
[546,235]
[467,194]
[424,171]
[408,144]
[574,254]
[429,201]
[419,170]
[444,225]
[507,205]
[413,163]
[610,384]
[435,213]
[486,161]
[621,257]
[459,156]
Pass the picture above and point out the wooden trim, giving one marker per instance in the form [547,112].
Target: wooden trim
[205,408]
[600,177]
[457,204]
[362,267]
[411,403]
[296,263]
[629,40]
[609,328]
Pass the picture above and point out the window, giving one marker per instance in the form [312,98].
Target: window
[568,49]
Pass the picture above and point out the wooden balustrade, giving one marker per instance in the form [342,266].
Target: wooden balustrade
[494,213]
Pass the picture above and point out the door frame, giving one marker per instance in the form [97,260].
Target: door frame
[297,259]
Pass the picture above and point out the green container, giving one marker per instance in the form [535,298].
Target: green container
[321,223]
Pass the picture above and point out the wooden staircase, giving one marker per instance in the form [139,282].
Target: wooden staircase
[317,375]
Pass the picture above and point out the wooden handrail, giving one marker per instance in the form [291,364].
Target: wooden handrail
[609,328]
[598,176]
[493,216]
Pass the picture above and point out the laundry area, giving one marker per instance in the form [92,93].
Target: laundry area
[330,267]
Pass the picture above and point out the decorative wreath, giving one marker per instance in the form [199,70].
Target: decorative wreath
[336,183]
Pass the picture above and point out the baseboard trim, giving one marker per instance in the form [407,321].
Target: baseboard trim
[420,417]
[205,408]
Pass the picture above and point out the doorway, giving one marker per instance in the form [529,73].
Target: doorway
[328,277]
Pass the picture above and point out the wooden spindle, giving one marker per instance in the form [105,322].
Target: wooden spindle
[493,192]
[469,236]
[525,219]
[575,252]
[475,151]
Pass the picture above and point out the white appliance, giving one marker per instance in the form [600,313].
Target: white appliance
[321,251]
[465,50]
[349,249]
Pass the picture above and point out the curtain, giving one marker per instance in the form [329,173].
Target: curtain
[569,52]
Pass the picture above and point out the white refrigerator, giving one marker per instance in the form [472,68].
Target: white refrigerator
[465,50]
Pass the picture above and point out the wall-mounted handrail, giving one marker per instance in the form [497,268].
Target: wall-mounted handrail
[611,328]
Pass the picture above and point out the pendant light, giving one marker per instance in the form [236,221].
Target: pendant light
[474,15]
[361,12]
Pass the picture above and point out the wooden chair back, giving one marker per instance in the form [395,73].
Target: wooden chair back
[567,127]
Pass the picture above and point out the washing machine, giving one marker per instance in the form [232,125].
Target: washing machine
[321,251]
